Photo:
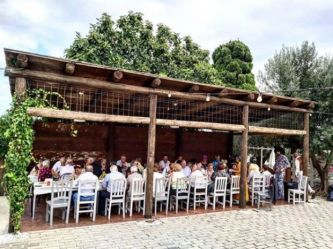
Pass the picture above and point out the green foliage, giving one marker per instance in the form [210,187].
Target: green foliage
[20,135]
[4,123]
[131,43]
[233,61]
[294,69]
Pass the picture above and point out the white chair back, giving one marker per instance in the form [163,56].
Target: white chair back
[61,190]
[138,187]
[200,182]
[235,183]
[268,179]
[162,187]
[183,186]
[66,177]
[303,183]
[118,188]
[220,185]
[258,183]
[88,187]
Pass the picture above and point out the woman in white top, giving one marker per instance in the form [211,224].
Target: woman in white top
[176,174]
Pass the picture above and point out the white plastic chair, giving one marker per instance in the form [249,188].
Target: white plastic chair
[138,194]
[220,190]
[296,194]
[86,188]
[161,193]
[258,178]
[117,196]
[199,194]
[259,192]
[182,192]
[61,194]
[234,188]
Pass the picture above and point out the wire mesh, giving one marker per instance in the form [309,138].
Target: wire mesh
[91,100]
[264,117]
[203,111]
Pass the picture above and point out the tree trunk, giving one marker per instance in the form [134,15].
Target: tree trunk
[322,172]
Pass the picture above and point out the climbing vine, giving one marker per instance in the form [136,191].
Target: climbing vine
[20,137]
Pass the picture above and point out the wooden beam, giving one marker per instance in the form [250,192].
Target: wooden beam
[224,92]
[20,86]
[151,156]
[22,61]
[294,103]
[276,131]
[312,105]
[95,83]
[272,100]
[156,82]
[64,114]
[70,68]
[250,97]
[194,88]
[200,107]
[117,76]
[200,125]
[244,148]
[306,144]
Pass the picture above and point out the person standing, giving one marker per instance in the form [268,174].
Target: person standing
[281,173]
[216,162]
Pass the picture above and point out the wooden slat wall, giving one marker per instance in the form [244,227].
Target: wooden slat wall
[54,138]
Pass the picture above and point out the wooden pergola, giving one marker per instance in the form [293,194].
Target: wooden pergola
[99,93]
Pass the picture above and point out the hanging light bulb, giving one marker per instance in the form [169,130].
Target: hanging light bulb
[268,109]
[208,97]
[310,114]
[259,99]
[169,95]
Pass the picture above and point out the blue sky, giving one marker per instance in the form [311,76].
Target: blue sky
[48,27]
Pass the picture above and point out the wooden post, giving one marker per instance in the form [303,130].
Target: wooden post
[150,156]
[230,143]
[243,177]
[20,86]
[306,140]
[110,142]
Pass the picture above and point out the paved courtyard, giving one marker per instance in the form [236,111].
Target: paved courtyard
[300,226]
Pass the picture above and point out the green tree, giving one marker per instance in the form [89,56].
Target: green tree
[233,61]
[300,72]
[131,43]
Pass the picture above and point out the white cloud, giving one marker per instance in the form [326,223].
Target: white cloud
[264,25]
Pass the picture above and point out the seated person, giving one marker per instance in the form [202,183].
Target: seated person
[106,185]
[57,165]
[253,169]
[86,195]
[122,164]
[186,169]
[133,175]
[66,172]
[77,171]
[100,170]
[35,170]
[196,172]
[45,171]
[176,174]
